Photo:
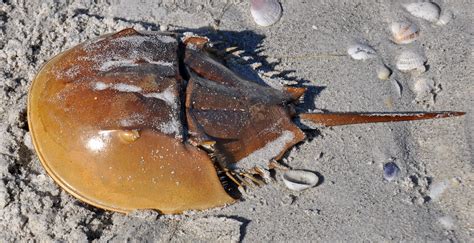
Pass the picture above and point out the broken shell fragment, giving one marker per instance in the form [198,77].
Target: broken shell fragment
[397,87]
[383,72]
[424,10]
[298,180]
[409,61]
[265,12]
[404,32]
[437,189]
[425,90]
[423,87]
[445,18]
[361,52]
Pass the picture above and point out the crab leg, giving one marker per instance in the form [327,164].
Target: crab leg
[243,180]
[231,176]
[337,119]
[295,92]
[255,180]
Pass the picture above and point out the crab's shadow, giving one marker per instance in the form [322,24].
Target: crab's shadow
[251,44]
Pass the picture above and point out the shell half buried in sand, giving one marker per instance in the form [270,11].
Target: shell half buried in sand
[361,52]
[424,10]
[298,180]
[445,18]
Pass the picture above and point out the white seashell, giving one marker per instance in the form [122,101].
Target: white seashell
[424,87]
[265,12]
[425,90]
[361,52]
[445,18]
[404,32]
[425,10]
[437,189]
[397,86]
[163,27]
[298,180]
[409,61]
[447,222]
[383,72]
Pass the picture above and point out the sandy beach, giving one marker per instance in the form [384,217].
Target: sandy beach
[431,199]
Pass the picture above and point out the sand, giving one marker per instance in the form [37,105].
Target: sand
[430,200]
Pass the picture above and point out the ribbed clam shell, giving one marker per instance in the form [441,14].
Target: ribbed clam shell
[411,61]
[404,32]
[265,12]
[425,10]
[298,180]
[361,52]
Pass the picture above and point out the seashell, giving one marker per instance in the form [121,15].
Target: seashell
[404,32]
[447,222]
[409,61]
[265,12]
[361,52]
[390,171]
[383,72]
[425,91]
[425,10]
[164,27]
[445,18]
[437,189]
[298,180]
[397,87]
[424,87]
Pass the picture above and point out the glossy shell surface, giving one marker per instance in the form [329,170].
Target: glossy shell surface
[298,180]
[265,12]
[116,124]
[404,32]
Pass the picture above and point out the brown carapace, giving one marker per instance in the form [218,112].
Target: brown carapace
[145,120]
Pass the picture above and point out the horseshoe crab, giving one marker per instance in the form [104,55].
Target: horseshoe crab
[145,120]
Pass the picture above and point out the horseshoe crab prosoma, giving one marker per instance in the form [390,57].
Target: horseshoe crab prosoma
[143,120]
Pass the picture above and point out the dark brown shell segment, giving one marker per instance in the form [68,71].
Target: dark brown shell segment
[240,115]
